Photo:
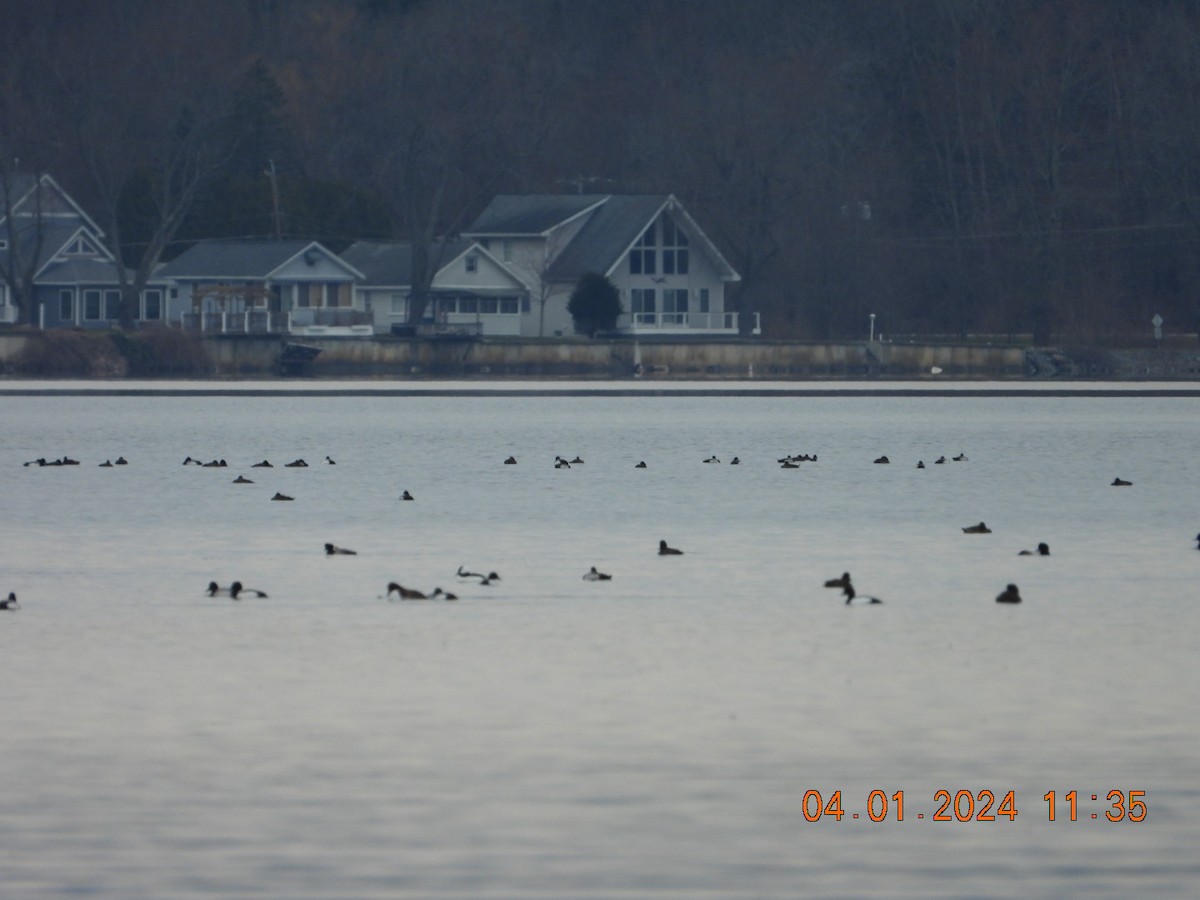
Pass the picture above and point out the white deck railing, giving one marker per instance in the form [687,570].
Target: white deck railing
[260,321]
[689,321]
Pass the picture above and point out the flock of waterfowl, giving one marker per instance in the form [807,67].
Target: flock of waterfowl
[236,590]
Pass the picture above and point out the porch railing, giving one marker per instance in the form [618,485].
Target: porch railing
[256,321]
[700,321]
[252,321]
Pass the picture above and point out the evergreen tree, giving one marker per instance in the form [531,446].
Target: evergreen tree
[595,304]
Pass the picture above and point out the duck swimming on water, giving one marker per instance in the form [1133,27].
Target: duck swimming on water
[405,593]
[1009,595]
[593,575]
[664,550]
[852,596]
[977,529]
[464,575]
[10,602]
[1042,550]
[331,550]
[235,591]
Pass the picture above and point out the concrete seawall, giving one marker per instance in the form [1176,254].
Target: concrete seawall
[259,356]
[608,359]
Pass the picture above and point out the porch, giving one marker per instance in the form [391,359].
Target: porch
[717,323]
[311,322]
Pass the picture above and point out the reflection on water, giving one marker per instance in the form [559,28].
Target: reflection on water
[546,736]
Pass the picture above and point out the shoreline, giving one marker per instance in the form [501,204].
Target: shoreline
[570,388]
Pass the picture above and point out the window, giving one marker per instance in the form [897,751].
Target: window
[489,305]
[338,293]
[112,304]
[472,262]
[510,307]
[524,305]
[399,304]
[675,248]
[91,305]
[641,304]
[703,292]
[81,246]
[641,257]
[151,305]
[468,305]
[675,305]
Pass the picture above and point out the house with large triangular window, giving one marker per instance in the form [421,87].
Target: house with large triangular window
[670,276]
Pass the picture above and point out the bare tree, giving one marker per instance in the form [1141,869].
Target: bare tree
[173,139]
[21,254]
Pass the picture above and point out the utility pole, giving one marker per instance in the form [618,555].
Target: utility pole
[275,202]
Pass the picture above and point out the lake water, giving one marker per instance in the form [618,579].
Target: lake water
[650,736]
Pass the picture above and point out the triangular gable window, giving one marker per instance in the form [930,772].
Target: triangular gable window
[81,246]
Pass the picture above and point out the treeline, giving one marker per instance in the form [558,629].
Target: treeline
[952,166]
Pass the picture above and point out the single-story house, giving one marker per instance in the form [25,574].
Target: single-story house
[471,291]
[293,286]
[671,278]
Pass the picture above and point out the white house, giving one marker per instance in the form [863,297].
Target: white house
[670,276]
[471,291]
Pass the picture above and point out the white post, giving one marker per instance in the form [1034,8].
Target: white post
[42,316]
[872,337]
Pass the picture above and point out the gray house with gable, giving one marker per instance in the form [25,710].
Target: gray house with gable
[50,243]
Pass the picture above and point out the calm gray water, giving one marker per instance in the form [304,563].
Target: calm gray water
[652,736]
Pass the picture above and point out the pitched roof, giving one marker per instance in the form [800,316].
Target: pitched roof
[84,270]
[613,224]
[611,230]
[530,214]
[55,234]
[53,203]
[239,259]
[390,262]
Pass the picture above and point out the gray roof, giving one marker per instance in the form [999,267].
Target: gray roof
[610,231]
[613,224]
[235,259]
[53,203]
[54,235]
[82,270]
[390,262]
[530,214]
